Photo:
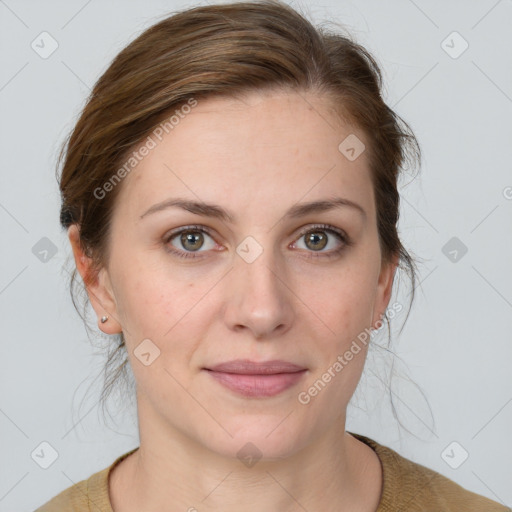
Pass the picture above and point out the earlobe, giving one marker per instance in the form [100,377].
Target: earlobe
[97,285]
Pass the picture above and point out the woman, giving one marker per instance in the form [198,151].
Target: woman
[230,195]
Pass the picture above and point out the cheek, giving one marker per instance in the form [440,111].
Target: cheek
[149,304]
[165,311]
[344,308]
[345,312]
[143,305]
[156,320]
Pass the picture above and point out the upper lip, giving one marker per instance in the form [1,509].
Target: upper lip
[248,367]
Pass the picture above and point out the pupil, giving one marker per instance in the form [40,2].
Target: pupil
[315,238]
[188,237]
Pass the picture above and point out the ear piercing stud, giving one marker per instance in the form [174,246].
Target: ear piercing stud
[104,319]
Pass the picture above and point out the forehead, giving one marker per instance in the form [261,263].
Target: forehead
[281,145]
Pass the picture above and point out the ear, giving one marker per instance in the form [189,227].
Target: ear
[97,284]
[384,289]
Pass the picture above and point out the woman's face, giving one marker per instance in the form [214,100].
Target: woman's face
[252,287]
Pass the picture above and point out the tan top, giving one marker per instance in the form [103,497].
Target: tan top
[406,487]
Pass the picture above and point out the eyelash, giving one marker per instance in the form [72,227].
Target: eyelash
[341,235]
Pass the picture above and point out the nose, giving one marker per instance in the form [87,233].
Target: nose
[259,298]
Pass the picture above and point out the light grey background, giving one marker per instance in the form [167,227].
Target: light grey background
[456,345]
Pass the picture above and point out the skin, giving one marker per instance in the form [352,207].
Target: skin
[256,157]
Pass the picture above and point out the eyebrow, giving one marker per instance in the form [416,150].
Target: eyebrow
[216,211]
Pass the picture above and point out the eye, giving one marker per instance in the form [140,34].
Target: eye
[317,238]
[188,241]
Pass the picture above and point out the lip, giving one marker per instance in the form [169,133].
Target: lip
[248,367]
[257,379]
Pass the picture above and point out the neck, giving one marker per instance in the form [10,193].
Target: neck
[171,471]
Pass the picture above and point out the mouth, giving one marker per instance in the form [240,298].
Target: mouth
[257,380]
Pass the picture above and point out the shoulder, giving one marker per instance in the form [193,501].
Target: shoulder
[86,495]
[411,487]
[73,498]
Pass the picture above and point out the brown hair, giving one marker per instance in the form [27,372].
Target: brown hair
[225,50]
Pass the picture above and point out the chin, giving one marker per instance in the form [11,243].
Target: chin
[261,439]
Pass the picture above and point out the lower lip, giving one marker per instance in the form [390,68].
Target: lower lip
[257,385]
